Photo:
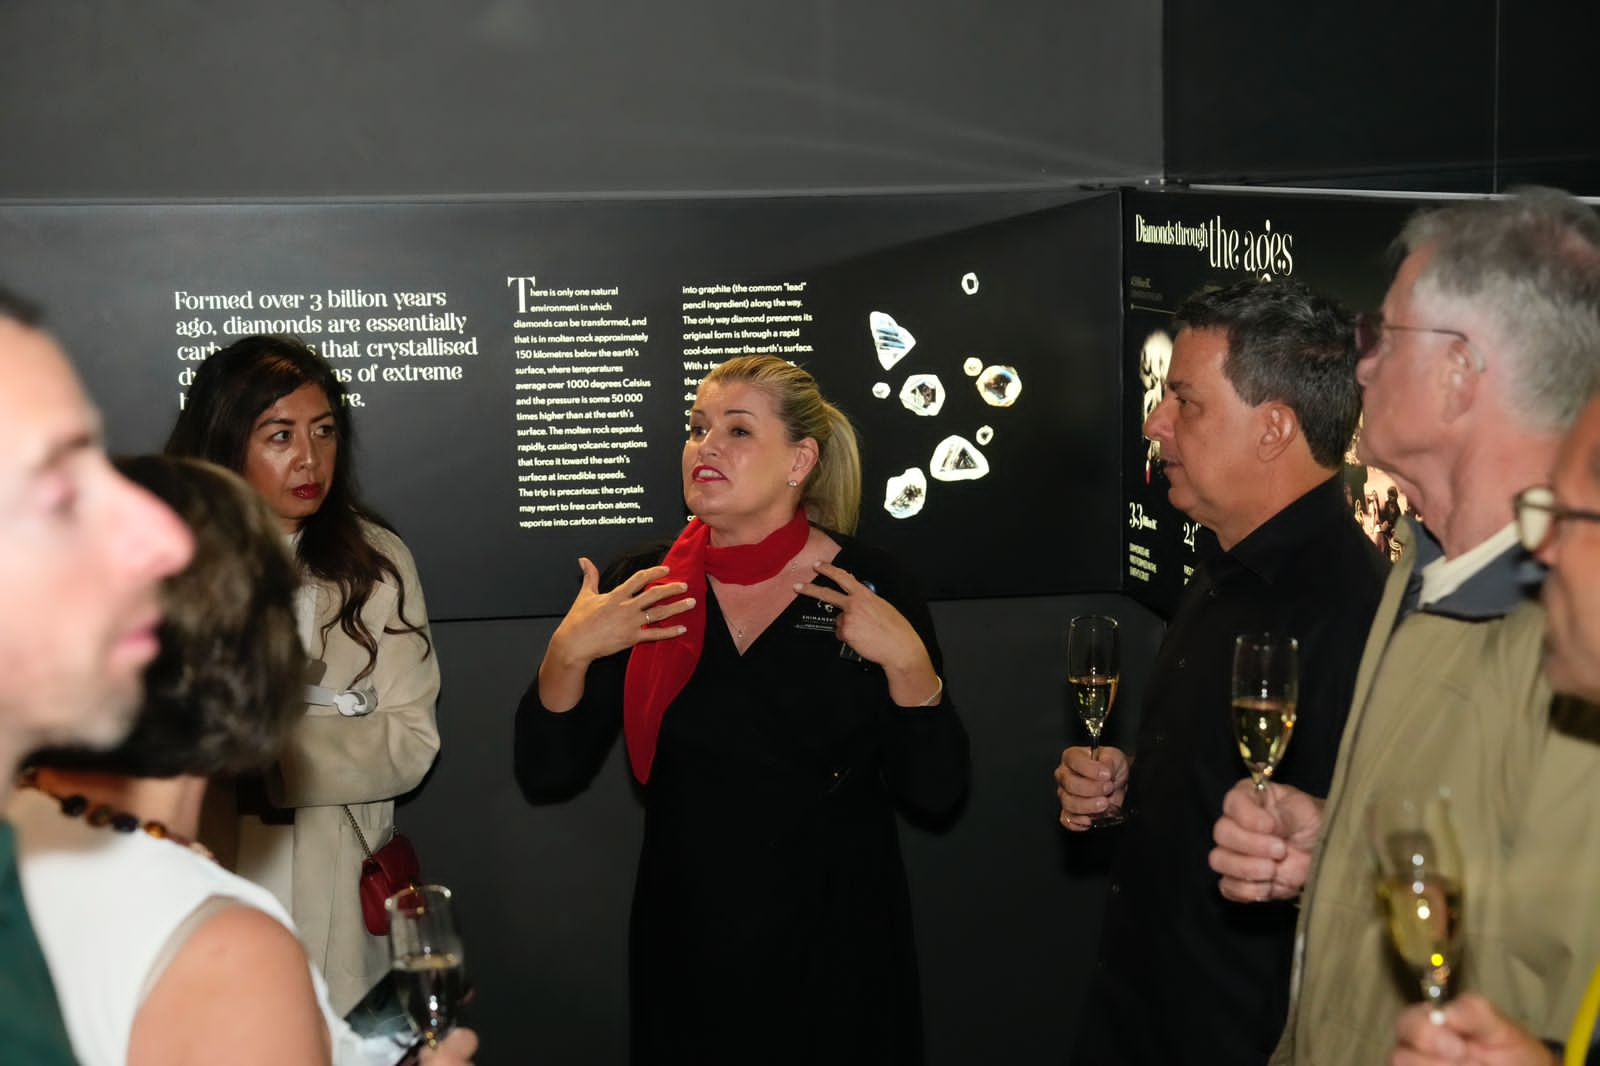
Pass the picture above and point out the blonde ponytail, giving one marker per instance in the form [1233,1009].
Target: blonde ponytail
[833,491]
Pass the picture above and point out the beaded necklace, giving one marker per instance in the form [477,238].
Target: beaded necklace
[105,816]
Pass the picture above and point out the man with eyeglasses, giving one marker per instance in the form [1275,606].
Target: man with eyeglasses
[1559,526]
[1565,539]
[1487,348]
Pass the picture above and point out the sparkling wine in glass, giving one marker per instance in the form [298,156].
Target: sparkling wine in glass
[1092,675]
[1266,688]
[1419,882]
[426,959]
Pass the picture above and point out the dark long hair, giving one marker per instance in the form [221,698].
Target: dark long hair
[230,391]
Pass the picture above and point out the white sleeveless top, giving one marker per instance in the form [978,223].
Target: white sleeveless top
[105,907]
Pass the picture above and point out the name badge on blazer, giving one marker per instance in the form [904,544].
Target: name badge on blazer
[820,617]
[817,617]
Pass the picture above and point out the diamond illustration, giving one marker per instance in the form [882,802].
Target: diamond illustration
[904,496]
[973,366]
[957,459]
[881,390]
[1000,386]
[922,394]
[893,341]
[985,434]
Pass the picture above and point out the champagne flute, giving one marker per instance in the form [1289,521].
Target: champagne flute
[1092,674]
[426,959]
[1419,881]
[1266,687]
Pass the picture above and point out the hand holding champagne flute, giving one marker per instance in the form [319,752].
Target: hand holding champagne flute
[1419,880]
[1092,675]
[1266,688]
[426,959]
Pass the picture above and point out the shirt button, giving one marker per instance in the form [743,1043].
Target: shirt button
[1183,661]
[1115,888]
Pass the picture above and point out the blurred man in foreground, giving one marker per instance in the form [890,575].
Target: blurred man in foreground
[82,554]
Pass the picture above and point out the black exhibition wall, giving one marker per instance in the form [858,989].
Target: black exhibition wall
[1469,96]
[519,373]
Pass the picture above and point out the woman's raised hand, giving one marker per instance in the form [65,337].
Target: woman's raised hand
[879,633]
[603,623]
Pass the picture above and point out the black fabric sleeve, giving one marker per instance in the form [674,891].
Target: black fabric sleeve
[927,761]
[556,755]
[1332,627]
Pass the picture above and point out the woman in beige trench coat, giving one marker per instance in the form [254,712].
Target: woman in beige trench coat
[271,409]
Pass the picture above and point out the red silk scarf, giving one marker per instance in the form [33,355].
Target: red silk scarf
[658,669]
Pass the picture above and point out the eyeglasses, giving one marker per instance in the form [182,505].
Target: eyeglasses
[1537,514]
[1369,331]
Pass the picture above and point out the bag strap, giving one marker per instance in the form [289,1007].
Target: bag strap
[359,835]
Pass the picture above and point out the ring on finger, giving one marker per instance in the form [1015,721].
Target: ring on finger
[647,618]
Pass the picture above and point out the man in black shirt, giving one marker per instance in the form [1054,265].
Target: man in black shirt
[1261,401]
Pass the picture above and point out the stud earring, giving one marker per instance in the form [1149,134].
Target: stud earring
[794,484]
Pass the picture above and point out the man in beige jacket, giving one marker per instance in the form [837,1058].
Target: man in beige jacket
[1560,524]
[1484,355]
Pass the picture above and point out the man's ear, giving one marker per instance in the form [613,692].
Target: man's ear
[1279,429]
[1460,380]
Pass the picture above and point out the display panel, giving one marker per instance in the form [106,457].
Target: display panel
[519,371]
[1175,244]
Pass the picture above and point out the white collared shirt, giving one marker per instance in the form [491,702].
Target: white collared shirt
[1443,576]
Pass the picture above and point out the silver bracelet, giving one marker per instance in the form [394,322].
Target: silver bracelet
[934,699]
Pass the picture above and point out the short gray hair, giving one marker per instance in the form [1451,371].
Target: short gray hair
[1530,265]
